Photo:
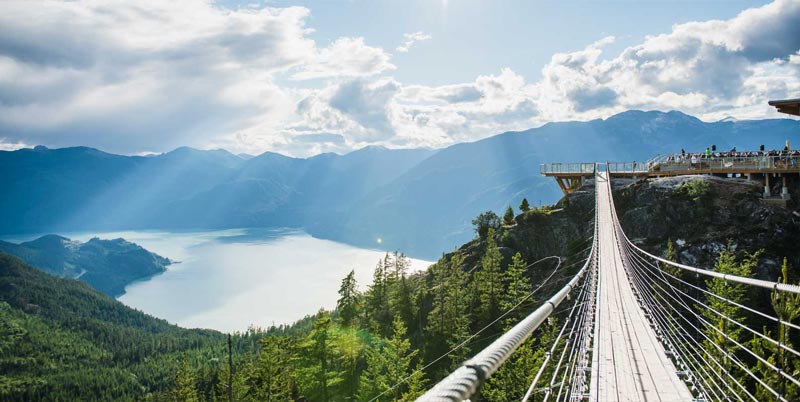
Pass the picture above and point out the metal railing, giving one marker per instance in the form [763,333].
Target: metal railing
[732,163]
[464,382]
[628,167]
[680,316]
[583,168]
[679,162]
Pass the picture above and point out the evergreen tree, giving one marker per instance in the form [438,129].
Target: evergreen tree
[350,347]
[524,206]
[401,302]
[672,255]
[185,388]
[721,332]
[241,384]
[489,281]
[320,377]
[508,217]
[388,364]
[348,299]
[377,300]
[272,376]
[449,319]
[484,222]
[787,309]
[517,286]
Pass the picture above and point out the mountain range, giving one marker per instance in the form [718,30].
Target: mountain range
[420,201]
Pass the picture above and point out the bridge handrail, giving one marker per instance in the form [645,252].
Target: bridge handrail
[784,287]
[465,380]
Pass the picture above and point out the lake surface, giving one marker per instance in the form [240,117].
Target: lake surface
[231,279]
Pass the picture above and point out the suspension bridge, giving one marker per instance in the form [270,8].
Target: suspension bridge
[638,328]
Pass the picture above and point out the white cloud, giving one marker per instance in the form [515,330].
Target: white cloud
[409,39]
[11,146]
[710,69]
[346,57]
[151,75]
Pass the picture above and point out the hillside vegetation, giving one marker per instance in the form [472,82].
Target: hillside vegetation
[106,265]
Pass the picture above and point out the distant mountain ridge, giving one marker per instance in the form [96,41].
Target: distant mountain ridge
[416,200]
[106,265]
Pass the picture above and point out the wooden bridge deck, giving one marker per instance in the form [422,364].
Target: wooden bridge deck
[628,362]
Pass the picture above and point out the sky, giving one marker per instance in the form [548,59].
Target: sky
[302,77]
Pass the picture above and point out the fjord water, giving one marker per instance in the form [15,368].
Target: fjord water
[231,279]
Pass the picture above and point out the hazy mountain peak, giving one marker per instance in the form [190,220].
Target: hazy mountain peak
[49,240]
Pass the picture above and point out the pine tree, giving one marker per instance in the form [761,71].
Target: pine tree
[787,309]
[517,287]
[508,218]
[485,221]
[272,376]
[241,382]
[400,294]
[489,281]
[377,300]
[721,332]
[449,319]
[350,347]
[185,388]
[672,255]
[524,206]
[388,364]
[320,376]
[348,300]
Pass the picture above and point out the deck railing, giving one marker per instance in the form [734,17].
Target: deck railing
[732,163]
[678,162]
[582,168]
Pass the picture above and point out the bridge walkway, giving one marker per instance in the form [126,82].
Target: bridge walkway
[628,362]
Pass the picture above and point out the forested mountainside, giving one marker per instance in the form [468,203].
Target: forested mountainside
[106,265]
[61,340]
[414,327]
[419,201]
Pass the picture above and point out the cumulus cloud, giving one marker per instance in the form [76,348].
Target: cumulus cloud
[710,68]
[346,57]
[409,39]
[152,75]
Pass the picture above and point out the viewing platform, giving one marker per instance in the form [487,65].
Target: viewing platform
[774,169]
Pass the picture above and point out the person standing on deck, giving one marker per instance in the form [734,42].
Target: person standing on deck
[694,161]
[708,152]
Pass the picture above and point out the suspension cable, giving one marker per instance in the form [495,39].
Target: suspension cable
[465,380]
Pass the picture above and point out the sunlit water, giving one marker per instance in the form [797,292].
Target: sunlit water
[229,280]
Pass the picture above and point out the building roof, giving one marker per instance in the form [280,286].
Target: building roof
[788,106]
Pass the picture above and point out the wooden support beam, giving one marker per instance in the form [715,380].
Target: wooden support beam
[561,184]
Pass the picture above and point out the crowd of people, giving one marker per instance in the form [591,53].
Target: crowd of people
[790,156]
